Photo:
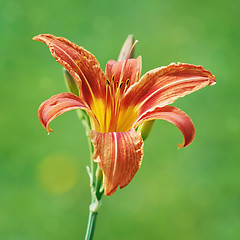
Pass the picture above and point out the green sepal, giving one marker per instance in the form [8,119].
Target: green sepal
[145,129]
[70,83]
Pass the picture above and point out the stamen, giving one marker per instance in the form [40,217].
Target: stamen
[125,63]
[126,85]
[107,82]
[116,104]
[106,99]
[113,76]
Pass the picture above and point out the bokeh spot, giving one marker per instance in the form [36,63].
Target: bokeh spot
[57,173]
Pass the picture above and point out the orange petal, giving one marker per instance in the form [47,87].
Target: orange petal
[119,155]
[175,116]
[124,72]
[80,63]
[162,86]
[58,105]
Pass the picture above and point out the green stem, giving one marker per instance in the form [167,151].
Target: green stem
[94,206]
[91,225]
[94,172]
[95,175]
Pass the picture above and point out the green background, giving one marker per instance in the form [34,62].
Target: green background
[187,194]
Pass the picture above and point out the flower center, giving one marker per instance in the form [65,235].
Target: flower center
[111,114]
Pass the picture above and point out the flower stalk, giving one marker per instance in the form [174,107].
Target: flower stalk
[94,172]
[96,195]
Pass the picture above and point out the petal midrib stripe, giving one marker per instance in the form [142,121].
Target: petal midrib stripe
[75,65]
[172,83]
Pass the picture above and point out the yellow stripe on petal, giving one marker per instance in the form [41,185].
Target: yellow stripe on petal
[98,108]
[103,113]
[127,117]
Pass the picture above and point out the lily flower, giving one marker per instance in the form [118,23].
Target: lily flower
[118,101]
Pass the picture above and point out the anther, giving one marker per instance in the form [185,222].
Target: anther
[127,82]
[107,82]
[113,77]
[121,84]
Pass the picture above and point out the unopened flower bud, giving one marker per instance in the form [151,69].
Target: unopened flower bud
[126,48]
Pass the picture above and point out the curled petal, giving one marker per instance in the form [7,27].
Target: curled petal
[119,155]
[175,116]
[58,105]
[80,63]
[125,72]
[162,86]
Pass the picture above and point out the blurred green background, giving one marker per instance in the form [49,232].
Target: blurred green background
[187,194]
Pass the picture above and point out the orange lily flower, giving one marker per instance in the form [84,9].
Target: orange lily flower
[118,101]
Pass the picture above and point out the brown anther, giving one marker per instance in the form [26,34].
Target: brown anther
[127,82]
[113,77]
[107,82]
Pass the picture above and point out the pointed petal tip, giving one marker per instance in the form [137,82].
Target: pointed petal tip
[49,130]
[42,35]
[182,145]
[38,37]
[187,143]
[110,192]
[212,82]
[211,77]
[130,37]
[57,105]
